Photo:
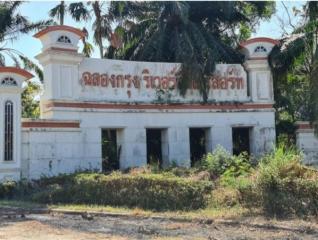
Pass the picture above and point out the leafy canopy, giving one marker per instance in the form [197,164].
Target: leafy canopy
[294,64]
[196,34]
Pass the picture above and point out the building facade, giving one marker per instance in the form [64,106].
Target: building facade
[134,105]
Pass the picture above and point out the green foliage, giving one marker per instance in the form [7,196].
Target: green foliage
[279,164]
[59,12]
[192,33]
[12,25]
[284,186]
[7,189]
[286,197]
[148,191]
[79,12]
[240,167]
[222,163]
[101,25]
[294,66]
[224,197]
[217,162]
[30,106]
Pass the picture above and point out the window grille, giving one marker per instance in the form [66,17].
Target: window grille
[64,39]
[8,81]
[8,131]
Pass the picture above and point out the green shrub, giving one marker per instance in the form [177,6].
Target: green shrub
[285,185]
[217,162]
[224,197]
[229,167]
[7,189]
[148,191]
[238,168]
[290,197]
[283,162]
[249,193]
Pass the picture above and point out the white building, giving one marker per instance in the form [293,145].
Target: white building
[136,104]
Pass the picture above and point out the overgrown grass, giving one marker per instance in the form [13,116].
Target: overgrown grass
[285,185]
[147,191]
[223,212]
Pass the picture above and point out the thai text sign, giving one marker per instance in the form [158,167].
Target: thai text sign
[231,79]
[142,80]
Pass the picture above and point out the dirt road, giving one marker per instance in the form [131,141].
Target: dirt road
[69,227]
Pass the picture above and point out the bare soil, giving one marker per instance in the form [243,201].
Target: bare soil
[20,226]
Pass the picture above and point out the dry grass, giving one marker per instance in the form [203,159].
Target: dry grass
[211,212]
[223,212]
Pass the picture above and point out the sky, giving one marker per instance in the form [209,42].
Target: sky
[38,10]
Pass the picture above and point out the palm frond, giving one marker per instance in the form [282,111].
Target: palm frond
[79,11]
[30,65]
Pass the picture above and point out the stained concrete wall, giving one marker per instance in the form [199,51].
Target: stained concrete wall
[132,124]
[307,142]
[52,151]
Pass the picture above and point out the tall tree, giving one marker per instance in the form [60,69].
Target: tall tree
[101,26]
[195,34]
[294,64]
[59,12]
[30,105]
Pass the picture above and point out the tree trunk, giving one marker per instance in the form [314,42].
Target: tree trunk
[62,12]
[98,30]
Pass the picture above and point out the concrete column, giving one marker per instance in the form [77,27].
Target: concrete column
[222,135]
[179,146]
[208,140]
[132,146]
[165,148]
[92,149]
[262,140]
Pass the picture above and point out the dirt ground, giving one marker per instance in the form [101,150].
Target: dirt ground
[17,226]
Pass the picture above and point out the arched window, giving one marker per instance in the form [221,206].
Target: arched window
[64,39]
[8,131]
[9,81]
[260,49]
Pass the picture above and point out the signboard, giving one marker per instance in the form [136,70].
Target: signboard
[114,80]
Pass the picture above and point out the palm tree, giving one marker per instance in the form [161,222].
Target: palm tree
[12,24]
[59,12]
[101,25]
[191,33]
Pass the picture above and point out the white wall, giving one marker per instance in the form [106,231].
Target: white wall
[51,151]
[307,142]
[133,124]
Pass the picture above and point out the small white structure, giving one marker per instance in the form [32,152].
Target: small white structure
[83,97]
[307,142]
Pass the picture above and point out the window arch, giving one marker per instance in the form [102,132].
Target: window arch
[8,131]
[260,49]
[9,81]
[64,39]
